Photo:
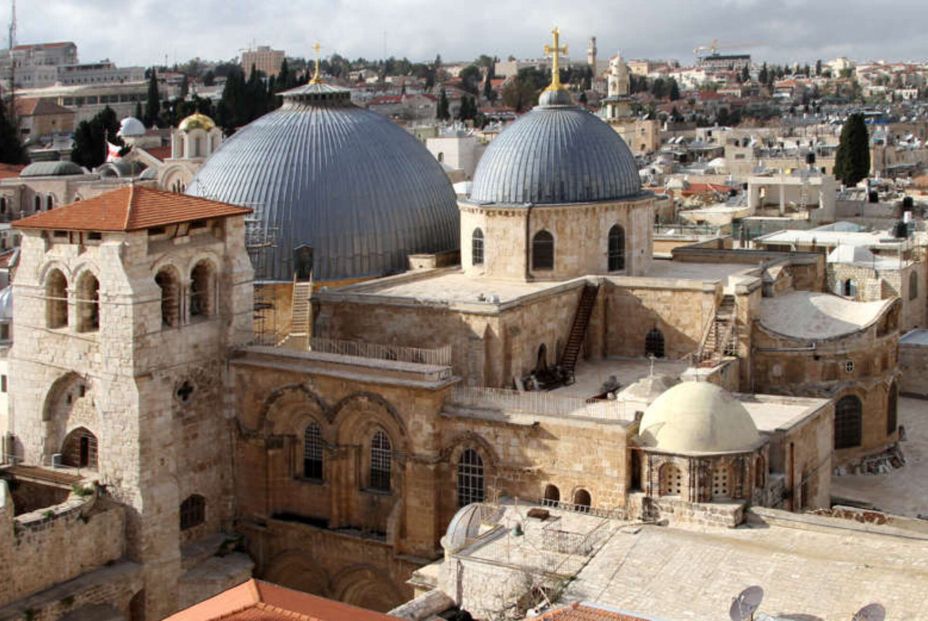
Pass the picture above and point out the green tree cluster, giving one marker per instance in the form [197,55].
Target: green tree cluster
[852,161]
[11,149]
[90,138]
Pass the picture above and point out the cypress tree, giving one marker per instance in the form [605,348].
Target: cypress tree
[443,113]
[11,149]
[138,111]
[153,102]
[852,161]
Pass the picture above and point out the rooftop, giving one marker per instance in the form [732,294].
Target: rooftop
[257,600]
[870,239]
[130,208]
[706,272]
[817,316]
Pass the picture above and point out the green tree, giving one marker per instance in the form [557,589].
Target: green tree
[184,86]
[674,90]
[153,102]
[91,136]
[11,149]
[745,74]
[852,161]
[470,79]
[443,113]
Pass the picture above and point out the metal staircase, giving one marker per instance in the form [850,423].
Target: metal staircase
[720,337]
[568,361]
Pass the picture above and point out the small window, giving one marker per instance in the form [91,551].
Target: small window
[543,251]
[88,303]
[312,452]
[760,472]
[192,511]
[49,202]
[670,480]
[552,495]
[37,204]
[167,282]
[476,248]
[2,383]
[201,290]
[381,462]
[616,248]
[156,230]
[471,486]
[654,343]
[198,224]
[848,422]
[4,331]
[582,500]
[94,235]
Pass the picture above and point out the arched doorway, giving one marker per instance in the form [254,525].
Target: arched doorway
[582,500]
[552,495]
[79,449]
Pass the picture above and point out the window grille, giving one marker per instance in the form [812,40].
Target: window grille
[381,462]
[671,480]
[848,422]
[192,511]
[477,248]
[543,251]
[471,482]
[312,452]
[616,248]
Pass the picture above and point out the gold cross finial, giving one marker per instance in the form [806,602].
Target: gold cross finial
[317,79]
[554,51]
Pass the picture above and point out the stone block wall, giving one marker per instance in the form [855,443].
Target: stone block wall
[913,369]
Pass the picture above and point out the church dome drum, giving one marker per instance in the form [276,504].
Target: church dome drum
[338,189]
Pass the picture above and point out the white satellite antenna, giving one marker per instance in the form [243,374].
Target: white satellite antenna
[746,604]
[871,612]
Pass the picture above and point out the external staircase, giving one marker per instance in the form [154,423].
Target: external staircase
[572,349]
[720,338]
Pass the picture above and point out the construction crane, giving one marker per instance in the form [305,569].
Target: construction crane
[713,48]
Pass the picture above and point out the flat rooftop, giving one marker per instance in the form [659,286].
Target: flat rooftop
[705,272]
[773,413]
[590,375]
[872,239]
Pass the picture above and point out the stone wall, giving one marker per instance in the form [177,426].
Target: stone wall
[57,543]
[913,369]
[580,231]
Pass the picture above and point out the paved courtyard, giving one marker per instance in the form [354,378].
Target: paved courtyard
[903,491]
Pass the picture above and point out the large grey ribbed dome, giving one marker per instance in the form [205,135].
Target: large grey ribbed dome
[557,153]
[349,183]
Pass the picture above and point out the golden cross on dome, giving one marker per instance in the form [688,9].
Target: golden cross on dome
[317,79]
[554,51]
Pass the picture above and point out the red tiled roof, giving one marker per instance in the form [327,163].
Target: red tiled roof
[130,208]
[162,153]
[35,106]
[10,170]
[28,46]
[257,600]
[580,612]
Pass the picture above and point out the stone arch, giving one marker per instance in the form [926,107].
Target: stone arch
[543,251]
[552,496]
[296,569]
[582,499]
[287,410]
[848,421]
[203,286]
[87,292]
[56,299]
[168,279]
[390,417]
[69,404]
[367,587]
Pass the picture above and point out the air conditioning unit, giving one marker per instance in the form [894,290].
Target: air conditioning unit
[56,460]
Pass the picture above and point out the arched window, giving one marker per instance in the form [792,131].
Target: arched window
[892,409]
[49,202]
[37,203]
[169,284]
[56,300]
[582,500]
[616,248]
[850,288]
[670,481]
[760,472]
[79,449]
[381,461]
[198,147]
[192,511]
[471,485]
[654,343]
[312,452]
[848,422]
[441,156]
[476,247]
[913,285]
[543,251]
[552,495]
[201,290]
[721,482]
[88,303]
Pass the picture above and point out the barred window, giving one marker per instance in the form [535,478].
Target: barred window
[381,462]
[721,482]
[616,248]
[192,511]
[654,343]
[476,251]
[670,480]
[543,251]
[848,422]
[471,482]
[312,452]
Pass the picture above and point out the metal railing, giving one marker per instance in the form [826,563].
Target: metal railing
[439,357]
[538,403]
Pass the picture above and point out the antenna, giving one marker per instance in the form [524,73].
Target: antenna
[12,43]
[746,604]
[871,612]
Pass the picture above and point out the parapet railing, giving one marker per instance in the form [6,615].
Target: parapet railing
[539,403]
[439,357]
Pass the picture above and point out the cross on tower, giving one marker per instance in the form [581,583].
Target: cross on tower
[554,51]
[317,79]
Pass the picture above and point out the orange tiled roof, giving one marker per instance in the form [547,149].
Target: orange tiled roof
[580,612]
[257,600]
[10,170]
[131,208]
[162,153]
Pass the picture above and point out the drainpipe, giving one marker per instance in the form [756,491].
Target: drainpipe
[528,241]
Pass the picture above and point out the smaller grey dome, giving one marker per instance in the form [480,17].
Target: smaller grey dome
[464,527]
[131,127]
[558,97]
[51,169]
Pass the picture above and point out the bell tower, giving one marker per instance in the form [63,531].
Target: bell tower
[128,305]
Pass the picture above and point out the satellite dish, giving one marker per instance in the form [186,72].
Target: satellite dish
[871,612]
[746,604]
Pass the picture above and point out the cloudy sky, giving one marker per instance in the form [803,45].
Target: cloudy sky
[144,32]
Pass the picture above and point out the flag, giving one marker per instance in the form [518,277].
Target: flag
[112,151]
